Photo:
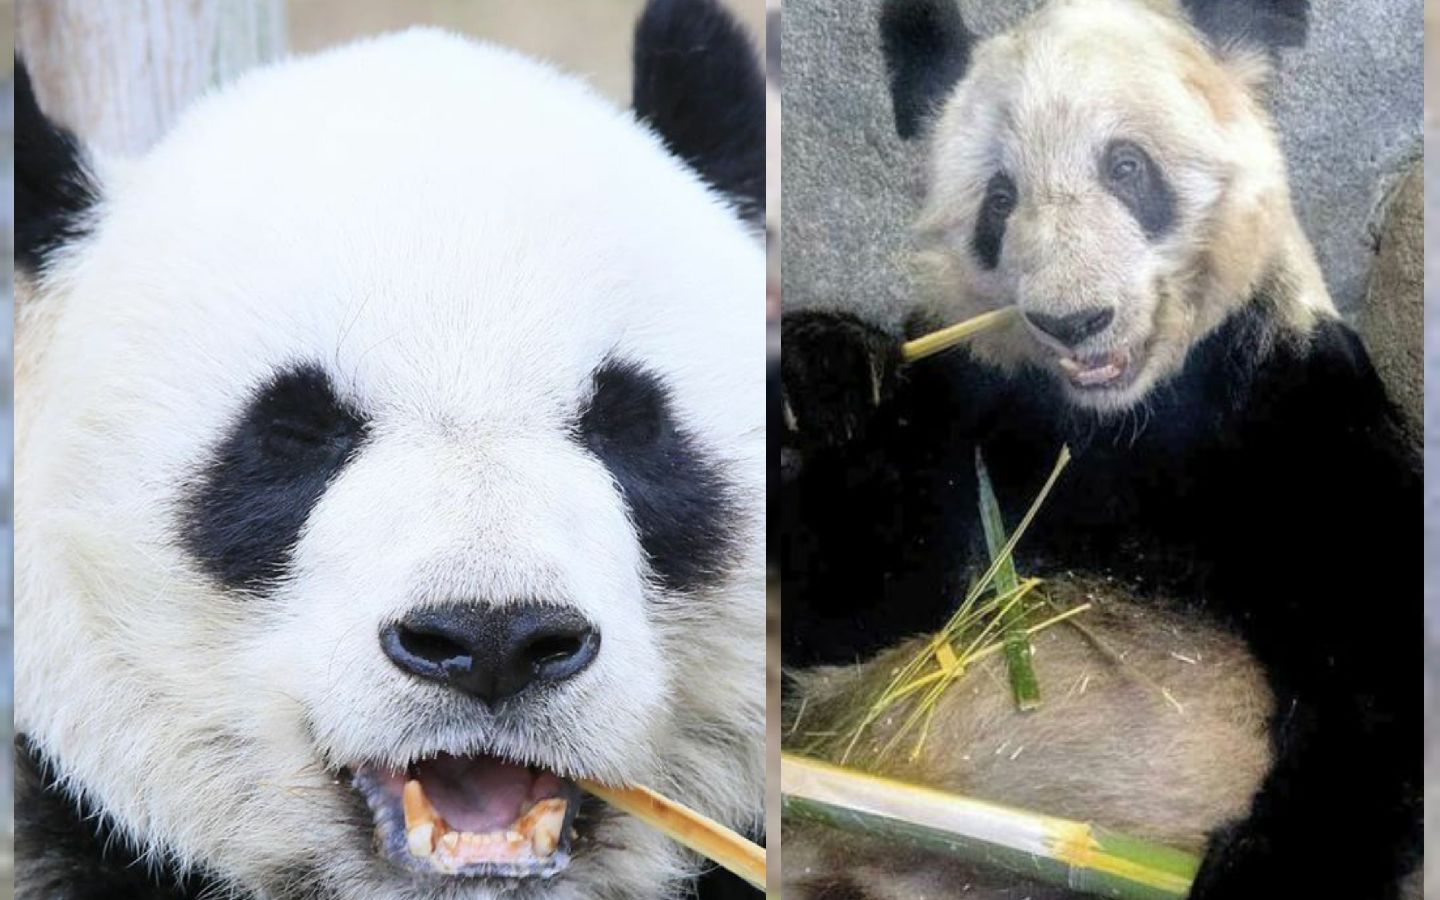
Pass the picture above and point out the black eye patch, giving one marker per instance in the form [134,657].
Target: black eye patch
[243,516]
[677,495]
[995,208]
[1133,178]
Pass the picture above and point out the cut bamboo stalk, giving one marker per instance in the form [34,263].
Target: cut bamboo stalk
[700,833]
[1070,854]
[945,338]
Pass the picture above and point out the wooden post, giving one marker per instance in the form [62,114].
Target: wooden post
[118,72]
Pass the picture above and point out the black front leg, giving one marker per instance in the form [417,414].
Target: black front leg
[1340,816]
[1315,521]
[876,511]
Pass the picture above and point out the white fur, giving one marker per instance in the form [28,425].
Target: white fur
[460,236]
[1040,101]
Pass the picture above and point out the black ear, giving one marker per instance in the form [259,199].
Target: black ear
[54,192]
[1267,25]
[698,84]
[927,50]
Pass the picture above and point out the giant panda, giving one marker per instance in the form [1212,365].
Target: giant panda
[1108,167]
[393,430]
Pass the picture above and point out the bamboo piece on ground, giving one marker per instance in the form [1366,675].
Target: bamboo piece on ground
[1076,855]
[947,337]
[700,833]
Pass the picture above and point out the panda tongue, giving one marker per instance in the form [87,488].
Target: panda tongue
[477,794]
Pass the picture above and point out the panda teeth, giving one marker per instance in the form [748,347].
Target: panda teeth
[1095,370]
[1106,373]
[423,824]
[421,840]
[429,836]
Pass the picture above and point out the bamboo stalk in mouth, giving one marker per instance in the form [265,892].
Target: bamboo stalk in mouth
[700,833]
[949,336]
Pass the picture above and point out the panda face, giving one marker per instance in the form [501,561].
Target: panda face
[1081,170]
[399,421]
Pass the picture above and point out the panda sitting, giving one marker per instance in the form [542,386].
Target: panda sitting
[397,421]
[1107,167]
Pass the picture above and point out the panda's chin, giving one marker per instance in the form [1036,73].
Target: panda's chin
[474,816]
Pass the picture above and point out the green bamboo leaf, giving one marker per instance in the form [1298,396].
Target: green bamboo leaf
[994,524]
[1018,651]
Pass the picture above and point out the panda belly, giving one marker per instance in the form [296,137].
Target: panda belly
[1161,735]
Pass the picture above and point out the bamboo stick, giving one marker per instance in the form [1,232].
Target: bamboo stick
[1076,855]
[700,833]
[945,338]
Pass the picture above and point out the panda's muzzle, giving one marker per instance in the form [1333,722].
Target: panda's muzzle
[1066,335]
[494,653]
[480,815]
[471,816]
[1074,328]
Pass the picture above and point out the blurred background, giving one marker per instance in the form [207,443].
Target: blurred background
[142,61]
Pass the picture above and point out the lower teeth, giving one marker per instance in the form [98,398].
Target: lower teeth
[1098,376]
[537,831]
[421,839]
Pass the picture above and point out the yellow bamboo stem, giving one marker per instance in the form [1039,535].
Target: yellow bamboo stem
[947,337]
[700,833]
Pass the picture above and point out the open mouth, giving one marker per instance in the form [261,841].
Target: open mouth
[471,816]
[1110,370]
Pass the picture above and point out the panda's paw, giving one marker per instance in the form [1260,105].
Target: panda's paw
[1249,861]
[836,371]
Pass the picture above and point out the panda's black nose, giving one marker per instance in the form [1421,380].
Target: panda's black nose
[1075,327]
[492,652]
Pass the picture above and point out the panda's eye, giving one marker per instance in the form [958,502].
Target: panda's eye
[1000,202]
[299,415]
[1000,195]
[627,409]
[298,435]
[1124,164]
[250,500]
[1133,177]
[676,493]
